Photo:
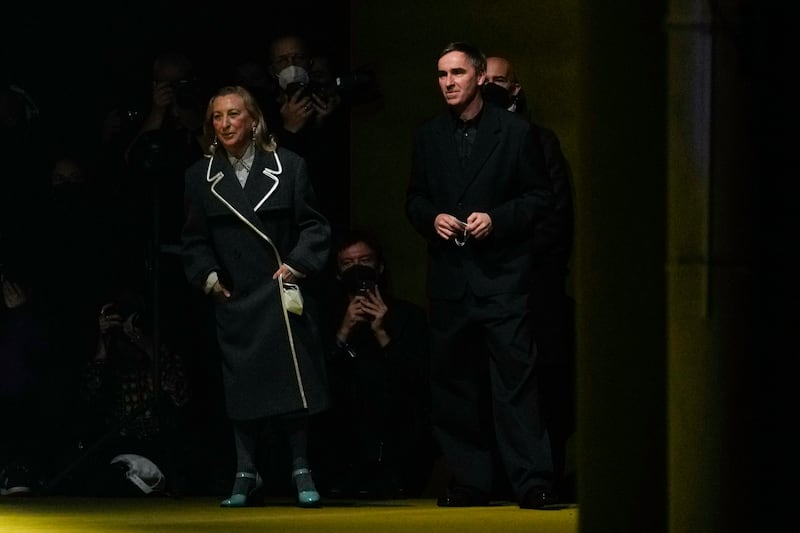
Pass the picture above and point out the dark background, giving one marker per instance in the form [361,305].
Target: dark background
[77,62]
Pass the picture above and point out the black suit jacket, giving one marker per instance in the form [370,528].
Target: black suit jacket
[505,177]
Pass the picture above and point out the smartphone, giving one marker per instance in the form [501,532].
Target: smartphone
[366,286]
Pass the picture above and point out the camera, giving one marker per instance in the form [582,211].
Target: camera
[295,87]
[308,89]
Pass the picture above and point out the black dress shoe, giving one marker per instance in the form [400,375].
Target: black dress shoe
[463,497]
[537,498]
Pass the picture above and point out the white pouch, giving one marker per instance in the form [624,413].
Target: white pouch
[291,297]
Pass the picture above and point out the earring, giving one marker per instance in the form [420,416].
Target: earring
[254,134]
[215,142]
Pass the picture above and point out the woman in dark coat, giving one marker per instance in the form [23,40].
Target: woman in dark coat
[249,230]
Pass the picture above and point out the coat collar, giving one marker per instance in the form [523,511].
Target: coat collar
[262,181]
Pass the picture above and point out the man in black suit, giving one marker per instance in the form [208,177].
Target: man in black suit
[477,188]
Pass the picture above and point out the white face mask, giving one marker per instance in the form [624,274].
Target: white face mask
[292,74]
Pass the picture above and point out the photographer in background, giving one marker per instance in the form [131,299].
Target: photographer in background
[306,115]
[378,364]
[132,404]
[168,141]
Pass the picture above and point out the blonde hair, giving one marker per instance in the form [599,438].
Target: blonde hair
[262,137]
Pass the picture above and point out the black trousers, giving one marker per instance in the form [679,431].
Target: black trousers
[554,332]
[464,333]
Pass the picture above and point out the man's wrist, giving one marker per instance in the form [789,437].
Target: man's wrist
[343,346]
[382,337]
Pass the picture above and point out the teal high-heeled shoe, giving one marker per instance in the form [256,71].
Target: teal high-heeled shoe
[245,500]
[307,495]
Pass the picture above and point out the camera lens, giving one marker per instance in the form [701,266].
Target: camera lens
[294,87]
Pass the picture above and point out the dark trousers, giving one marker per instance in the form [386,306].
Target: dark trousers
[464,332]
[553,326]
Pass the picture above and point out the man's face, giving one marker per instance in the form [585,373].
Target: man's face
[286,52]
[458,79]
[498,71]
[357,254]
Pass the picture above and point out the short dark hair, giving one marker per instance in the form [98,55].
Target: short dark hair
[476,56]
[352,236]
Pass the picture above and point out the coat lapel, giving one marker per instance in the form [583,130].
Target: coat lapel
[225,185]
[263,179]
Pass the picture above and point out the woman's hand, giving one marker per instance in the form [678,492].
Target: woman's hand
[286,273]
[219,292]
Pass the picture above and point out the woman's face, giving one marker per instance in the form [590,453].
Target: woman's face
[233,125]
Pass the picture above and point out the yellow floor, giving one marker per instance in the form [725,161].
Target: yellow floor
[56,514]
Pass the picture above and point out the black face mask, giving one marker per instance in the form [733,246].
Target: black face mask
[359,277]
[496,94]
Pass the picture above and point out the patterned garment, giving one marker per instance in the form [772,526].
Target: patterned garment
[120,387]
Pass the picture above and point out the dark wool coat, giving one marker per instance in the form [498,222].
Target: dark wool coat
[268,368]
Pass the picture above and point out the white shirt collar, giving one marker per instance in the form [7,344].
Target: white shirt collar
[242,166]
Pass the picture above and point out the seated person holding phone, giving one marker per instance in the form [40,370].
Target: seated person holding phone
[377,428]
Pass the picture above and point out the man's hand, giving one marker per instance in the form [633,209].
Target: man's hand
[375,309]
[369,307]
[163,95]
[448,227]
[352,316]
[479,225]
[323,108]
[296,111]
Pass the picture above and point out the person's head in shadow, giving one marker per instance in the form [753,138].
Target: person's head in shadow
[289,60]
[168,139]
[502,87]
[256,78]
[360,264]
[175,83]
